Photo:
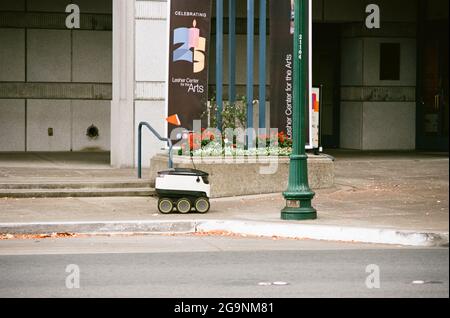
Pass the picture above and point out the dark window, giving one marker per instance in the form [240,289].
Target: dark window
[390,61]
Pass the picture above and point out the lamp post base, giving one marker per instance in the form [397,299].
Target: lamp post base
[294,211]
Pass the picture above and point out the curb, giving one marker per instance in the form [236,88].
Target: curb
[157,227]
[250,228]
[329,233]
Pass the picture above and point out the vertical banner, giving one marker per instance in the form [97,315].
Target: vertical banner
[282,69]
[189,27]
[282,65]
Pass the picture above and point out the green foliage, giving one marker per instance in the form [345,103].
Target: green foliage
[234,115]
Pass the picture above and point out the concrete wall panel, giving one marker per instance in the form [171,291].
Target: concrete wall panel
[12,125]
[372,62]
[85,114]
[151,90]
[389,126]
[352,61]
[48,56]
[151,10]
[151,50]
[351,125]
[12,55]
[45,114]
[92,56]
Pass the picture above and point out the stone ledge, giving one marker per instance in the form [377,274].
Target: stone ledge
[33,90]
[237,177]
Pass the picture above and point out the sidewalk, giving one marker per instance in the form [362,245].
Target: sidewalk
[379,196]
[70,167]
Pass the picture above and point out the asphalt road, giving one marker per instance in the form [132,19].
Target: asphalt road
[180,267]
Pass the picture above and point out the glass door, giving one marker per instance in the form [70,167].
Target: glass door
[433,102]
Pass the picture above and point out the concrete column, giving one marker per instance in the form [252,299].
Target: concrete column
[122,106]
[151,72]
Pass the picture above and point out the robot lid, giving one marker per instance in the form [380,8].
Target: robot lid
[183,172]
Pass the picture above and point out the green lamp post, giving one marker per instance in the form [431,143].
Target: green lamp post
[299,195]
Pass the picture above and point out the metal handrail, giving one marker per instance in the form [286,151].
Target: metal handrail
[157,135]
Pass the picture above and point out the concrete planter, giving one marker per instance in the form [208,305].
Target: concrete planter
[236,177]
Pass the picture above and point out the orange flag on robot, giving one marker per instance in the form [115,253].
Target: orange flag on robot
[174,120]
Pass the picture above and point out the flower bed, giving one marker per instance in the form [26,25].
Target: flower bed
[213,144]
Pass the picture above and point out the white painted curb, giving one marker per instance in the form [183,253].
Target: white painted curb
[326,233]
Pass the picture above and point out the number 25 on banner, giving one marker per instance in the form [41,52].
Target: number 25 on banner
[190,39]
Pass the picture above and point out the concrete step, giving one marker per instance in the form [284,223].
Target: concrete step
[77,193]
[61,185]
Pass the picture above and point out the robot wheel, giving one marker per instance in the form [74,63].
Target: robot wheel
[202,205]
[184,205]
[165,205]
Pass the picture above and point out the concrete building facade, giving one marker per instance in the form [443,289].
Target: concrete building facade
[55,83]
[384,89]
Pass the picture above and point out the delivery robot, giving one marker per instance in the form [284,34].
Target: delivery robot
[180,190]
[183,191]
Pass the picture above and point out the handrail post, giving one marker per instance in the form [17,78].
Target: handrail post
[169,143]
[140,151]
[170,154]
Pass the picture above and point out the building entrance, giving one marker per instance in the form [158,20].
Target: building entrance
[433,108]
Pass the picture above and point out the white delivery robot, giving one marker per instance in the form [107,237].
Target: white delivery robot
[183,190]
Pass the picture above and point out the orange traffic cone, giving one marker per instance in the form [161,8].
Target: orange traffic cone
[174,120]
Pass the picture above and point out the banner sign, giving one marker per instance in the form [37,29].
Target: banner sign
[282,71]
[189,27]
[282,65]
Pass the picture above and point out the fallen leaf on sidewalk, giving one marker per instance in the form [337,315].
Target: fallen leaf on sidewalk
[35,236]
[214,233]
